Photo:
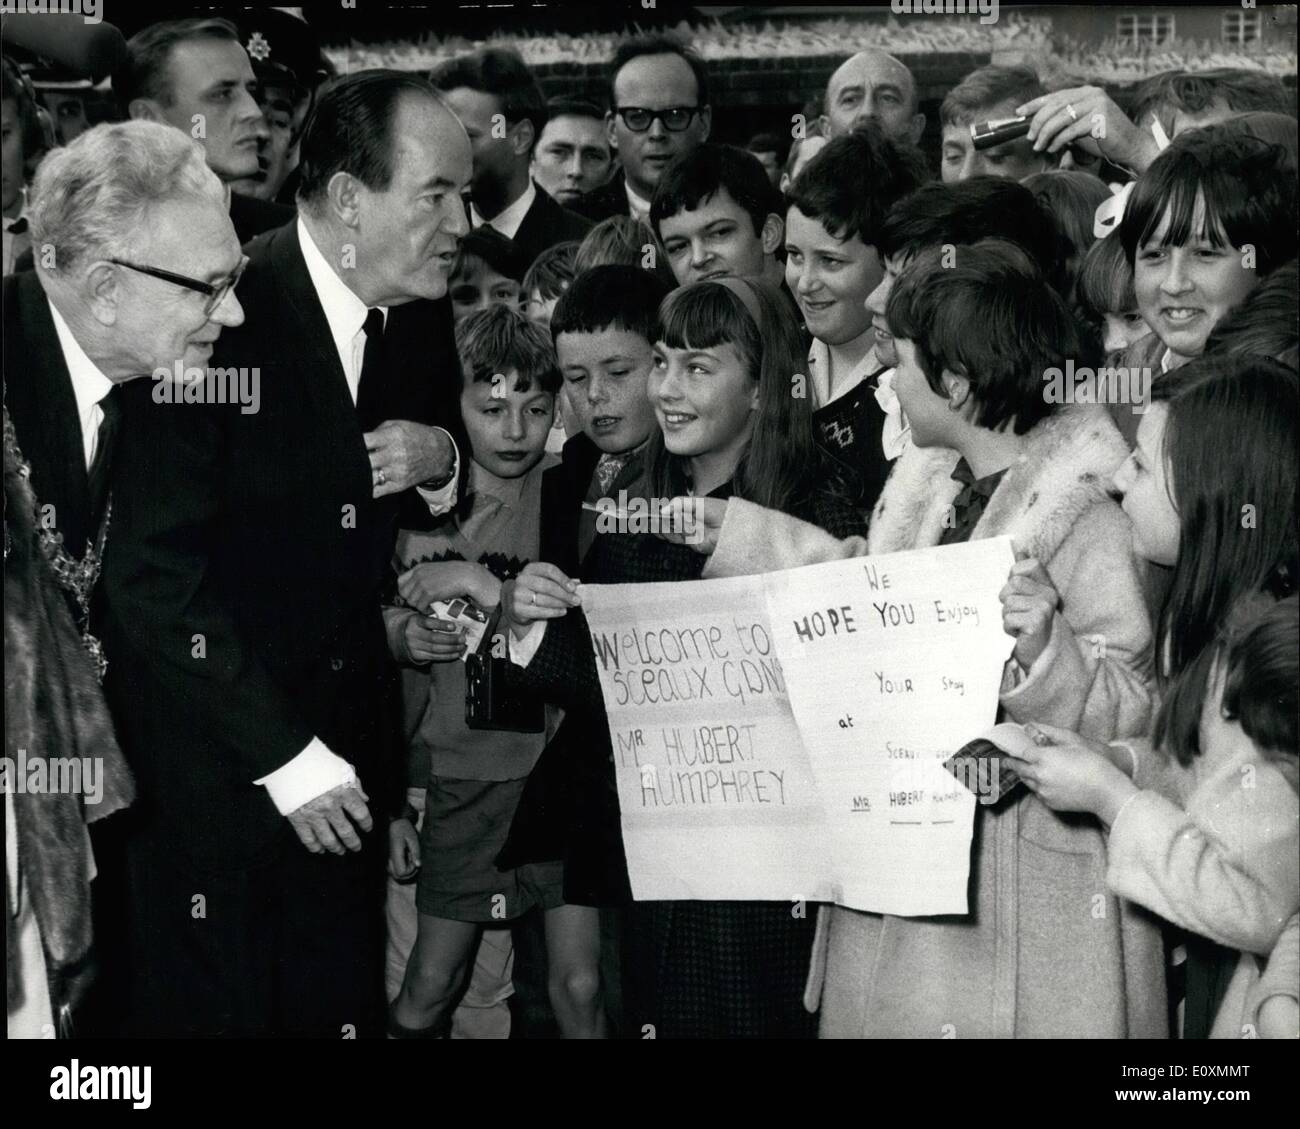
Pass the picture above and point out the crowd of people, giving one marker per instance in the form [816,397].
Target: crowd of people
[309,416]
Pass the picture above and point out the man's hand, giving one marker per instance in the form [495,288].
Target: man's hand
[325,823]
[403,849]
[1029,603]
[693,521]
[1097,126]
[541,591]
[403,454]
[420,585]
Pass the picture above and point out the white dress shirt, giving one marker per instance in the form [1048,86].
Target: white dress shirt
[507,220]
[89,385]
[316,769]
[639,205]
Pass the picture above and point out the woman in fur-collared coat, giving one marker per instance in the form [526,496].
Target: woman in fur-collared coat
[1045,951]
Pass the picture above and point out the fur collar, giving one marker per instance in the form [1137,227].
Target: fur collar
[1065,469]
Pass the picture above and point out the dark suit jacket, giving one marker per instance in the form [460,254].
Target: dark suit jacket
[38,392]
[247,561]
[545,224]
[252,216]
[608,200]
[564,487]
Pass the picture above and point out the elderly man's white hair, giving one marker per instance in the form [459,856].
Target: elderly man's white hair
[91,199]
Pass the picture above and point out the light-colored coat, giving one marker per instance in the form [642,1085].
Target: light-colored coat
[1215,848]
[1045,950]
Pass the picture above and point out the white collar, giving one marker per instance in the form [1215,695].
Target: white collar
[1167,360]
[639,204]
[507,220]
[21,214]
[344,311]
[819,375]
[89,384]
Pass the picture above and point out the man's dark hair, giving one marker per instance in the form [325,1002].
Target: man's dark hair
[573,108]
[990,317]
[983,207]
[697,177]
[1162,95]
[984,88]
[148,53]
[852,183]
[611,297]
[500,338]
[768,143]
[502,73]
[350,129]
[495,249]
[640,45]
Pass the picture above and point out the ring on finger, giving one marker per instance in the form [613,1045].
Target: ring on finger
[532,597]
[380,477]
[1074,114]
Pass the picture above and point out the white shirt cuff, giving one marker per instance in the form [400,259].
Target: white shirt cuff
[441,500]
[523,650]
[312,773]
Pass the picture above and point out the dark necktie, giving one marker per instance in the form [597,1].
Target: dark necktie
[98,478]
[371,385]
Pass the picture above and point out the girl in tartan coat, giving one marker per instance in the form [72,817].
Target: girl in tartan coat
[729,426]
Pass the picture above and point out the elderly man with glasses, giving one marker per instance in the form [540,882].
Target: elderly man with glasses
[659,111]
[136,259]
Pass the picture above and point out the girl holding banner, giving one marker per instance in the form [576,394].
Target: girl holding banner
[729,427]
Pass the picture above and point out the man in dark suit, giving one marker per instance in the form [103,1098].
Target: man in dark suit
[502,109]
[251,549]
[659,111]
[76,329]
[195,75]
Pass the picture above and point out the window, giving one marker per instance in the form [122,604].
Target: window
[1154,28]
[1241,27]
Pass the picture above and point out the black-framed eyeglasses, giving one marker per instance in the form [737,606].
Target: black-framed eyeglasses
[675,118]
[216,291]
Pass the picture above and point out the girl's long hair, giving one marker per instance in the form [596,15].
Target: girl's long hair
[782,461]
[1229,451]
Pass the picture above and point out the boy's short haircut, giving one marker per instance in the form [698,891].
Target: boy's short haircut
[611,297]
[493,248]
[1261,677]
[983,207]
[501,72]
[1248,186]
[1264,325]
[697,177]
[552,271]
[852,183]
[496,340]
[991,318]
[984,88]
[1105,280]
[1164,95]
[574,108]
[621,241]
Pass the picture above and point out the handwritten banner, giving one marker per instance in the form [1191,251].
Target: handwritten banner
[781,737]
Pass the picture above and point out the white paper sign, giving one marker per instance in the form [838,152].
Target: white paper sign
[781,737]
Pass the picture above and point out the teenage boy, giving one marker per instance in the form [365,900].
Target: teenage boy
[837,206]
[717,215]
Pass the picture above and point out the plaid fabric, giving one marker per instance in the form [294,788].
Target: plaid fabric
[717,970]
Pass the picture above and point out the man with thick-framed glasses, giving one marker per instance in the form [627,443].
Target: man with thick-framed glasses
[659,111]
